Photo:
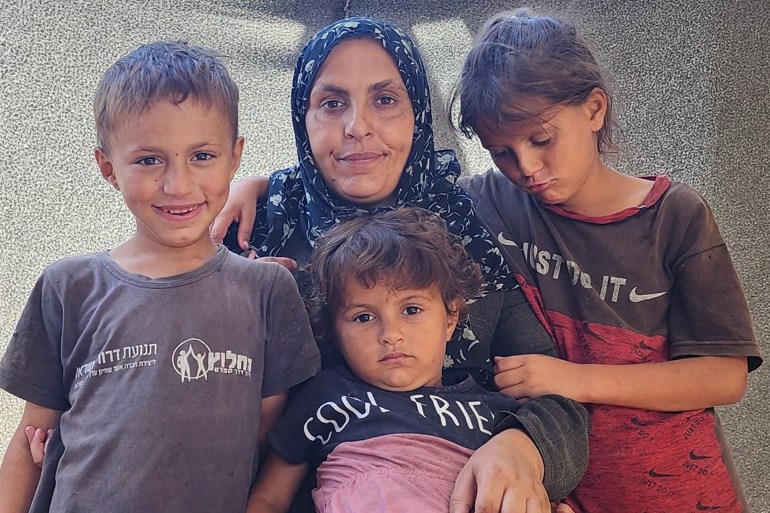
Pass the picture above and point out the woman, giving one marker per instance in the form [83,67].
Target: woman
[362,123]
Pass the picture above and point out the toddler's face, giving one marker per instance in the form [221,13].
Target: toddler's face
[394,339]
[173,164]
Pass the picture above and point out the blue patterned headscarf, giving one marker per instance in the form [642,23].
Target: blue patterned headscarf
[298,198]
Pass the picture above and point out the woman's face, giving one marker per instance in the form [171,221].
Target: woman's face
[360,123]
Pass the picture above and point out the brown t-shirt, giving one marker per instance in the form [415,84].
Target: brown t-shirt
[647,284]
[161,380]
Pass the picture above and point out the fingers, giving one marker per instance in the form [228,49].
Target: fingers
[30,432]
[464,493]
[507,373]
[511,384]
[503,476]
[288,263]
[564,508]
[514,502]
[490,497]
[511,500]
[246,223]
[504,363]
[535,505]
[38,442]
[220,225]
[35,435]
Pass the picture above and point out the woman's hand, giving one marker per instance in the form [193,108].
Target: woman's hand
[504,475]
[241,207]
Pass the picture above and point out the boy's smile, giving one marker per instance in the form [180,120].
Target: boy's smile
[173,164]
[394,339]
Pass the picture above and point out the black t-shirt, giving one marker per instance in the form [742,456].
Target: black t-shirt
[336,407]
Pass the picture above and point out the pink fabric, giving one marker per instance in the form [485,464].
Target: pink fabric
[390,474]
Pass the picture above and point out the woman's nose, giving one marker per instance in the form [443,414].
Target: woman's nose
[358,124]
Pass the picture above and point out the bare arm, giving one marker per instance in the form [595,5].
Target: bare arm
[272,409]
[677,385]
[276,485]
[19,474]
[241,208]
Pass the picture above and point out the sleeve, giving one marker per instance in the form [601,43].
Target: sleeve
[291,438]
[518,329]
[709,314]
[472,184]
[559,428]
[291,354]
[31,367]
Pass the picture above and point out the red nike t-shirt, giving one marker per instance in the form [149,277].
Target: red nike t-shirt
[647,284]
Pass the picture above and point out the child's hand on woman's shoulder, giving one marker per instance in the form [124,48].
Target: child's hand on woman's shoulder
[38,439]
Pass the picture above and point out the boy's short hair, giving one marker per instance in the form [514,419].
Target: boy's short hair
[403,248]
[163,71]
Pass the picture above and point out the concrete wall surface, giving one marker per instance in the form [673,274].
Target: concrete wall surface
[690,78]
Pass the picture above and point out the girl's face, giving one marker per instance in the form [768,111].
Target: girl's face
[394,339]
[554,158]
[360,123]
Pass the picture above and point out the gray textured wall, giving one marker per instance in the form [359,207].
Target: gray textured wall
[691,81]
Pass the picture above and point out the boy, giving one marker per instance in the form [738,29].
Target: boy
[387,433]
[162,359]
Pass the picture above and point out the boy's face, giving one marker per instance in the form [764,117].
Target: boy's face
[394,339]
[173,164]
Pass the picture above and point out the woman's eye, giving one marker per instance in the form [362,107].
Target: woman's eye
[202,155]
[148,161]
[412,310]
[363,318]
[331,104]
[541,142]
[386,100]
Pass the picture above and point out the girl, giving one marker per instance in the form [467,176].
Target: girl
[631,275]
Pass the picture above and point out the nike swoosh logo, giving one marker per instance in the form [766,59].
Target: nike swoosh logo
[638,422]
[506,242]
[701,507]
[642,345]
[652,473]
[587,329]
[694,456]
[638,298]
